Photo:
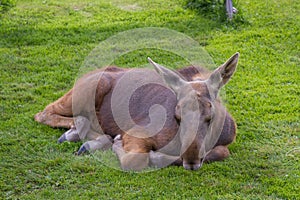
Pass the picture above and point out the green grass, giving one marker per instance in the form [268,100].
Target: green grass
[43,45]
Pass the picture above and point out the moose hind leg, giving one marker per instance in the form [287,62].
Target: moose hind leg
[54,120]
[83,131]
[58,113]
[218,153]
[71,135]
[78,131]
[102,142]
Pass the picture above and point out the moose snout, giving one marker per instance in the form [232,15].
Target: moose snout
[191,166]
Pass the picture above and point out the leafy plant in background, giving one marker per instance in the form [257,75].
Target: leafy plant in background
[216,10]
[5,5]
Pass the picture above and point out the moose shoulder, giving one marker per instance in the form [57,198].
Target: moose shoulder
[158,118]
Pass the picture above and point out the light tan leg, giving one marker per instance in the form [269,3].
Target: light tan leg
[58,113]
[160,160]
[86,95]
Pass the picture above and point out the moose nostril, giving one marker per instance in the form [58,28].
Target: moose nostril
[191,166]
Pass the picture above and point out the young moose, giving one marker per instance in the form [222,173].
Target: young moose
[156,118]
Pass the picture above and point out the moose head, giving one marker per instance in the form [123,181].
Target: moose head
[198,109]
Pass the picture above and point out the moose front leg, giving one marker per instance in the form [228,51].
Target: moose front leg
[130,160]
[160,160]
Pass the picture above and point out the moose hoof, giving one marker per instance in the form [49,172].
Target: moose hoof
[101,143]
[40,117]
[62,138]
[118,137]
[71,135]
[83,149]
[117,145]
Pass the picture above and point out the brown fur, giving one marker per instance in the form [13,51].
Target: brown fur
[61,113]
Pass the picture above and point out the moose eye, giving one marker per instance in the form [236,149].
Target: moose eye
[209,114]
[208,104]
[178,112]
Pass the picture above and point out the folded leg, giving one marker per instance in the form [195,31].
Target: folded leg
[84,99]
[102,142]
[58,113]
[130,160]
[83,131]
[218,153]
[160,160]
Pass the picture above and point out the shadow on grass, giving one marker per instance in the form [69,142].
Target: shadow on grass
[30,35]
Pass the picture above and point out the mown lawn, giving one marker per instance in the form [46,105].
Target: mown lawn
[43,45]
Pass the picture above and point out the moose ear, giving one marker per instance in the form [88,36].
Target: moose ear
[171,78]
[222,75]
